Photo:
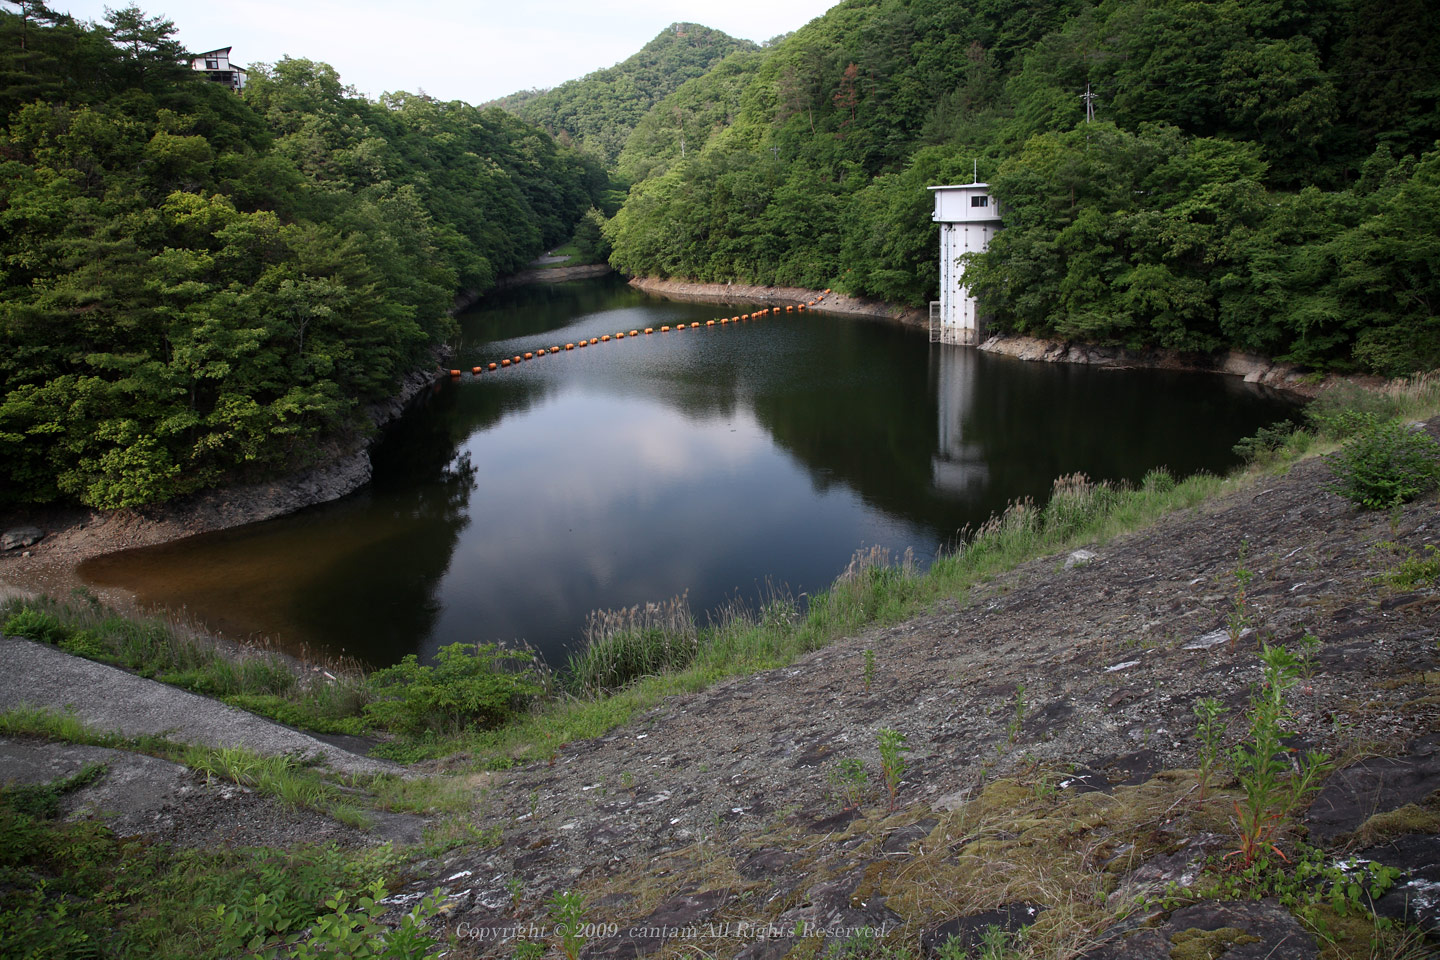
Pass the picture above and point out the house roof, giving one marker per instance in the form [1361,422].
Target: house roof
[224,50]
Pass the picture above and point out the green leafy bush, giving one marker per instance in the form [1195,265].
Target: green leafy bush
[86,643]
[37,625]
[1265,443]
[1385,463]
[469,685]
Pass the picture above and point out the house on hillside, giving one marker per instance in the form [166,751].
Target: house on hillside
[217,66]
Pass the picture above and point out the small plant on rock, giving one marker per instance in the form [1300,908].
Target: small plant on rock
[1308,645]
[849,778]
[1210,728]
[1411,570]
[892,760]
[1239,617]
[1017,716]
[567,909]
[1262,761]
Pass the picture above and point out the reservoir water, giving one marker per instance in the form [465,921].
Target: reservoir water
[507,506]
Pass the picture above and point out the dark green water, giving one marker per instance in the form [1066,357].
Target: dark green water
[506,507]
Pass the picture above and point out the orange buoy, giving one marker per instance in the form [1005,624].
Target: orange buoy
[620,335]
[515,359]
[584,343]
[789,307]
[734,319]
[605,339]
[492,366]
[554,349]
[665,329]
[529,356]
[594,340]
[454,373]
[649,329]
[569,346]
[634,333]
[504,363]
[475,369]
[709,323]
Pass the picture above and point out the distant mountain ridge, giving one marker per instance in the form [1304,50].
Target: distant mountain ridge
[598,111]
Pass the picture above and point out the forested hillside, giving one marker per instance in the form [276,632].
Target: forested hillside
[598,111]
[197,287]
[1259,174]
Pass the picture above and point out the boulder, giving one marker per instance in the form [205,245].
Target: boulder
[18,537]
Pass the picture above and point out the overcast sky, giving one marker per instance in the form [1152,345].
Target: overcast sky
[454,50]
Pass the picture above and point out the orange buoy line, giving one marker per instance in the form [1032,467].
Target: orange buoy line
[665,328]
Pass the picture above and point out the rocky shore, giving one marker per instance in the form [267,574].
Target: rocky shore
[1250,367]
[739,292]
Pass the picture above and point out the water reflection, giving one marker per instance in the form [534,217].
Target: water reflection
[958,466]
[508,506]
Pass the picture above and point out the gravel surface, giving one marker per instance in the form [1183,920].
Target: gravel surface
[109,699]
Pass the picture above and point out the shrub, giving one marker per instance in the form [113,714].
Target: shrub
[37,625]
[1384,464]
[469,685]
[1266,442]
[86,643]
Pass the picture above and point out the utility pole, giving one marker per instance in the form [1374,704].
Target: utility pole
[1089,99]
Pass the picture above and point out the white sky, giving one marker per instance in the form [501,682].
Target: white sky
[452,49]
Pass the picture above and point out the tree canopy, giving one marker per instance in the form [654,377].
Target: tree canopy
[1256,174]
[197,287]
[598,111]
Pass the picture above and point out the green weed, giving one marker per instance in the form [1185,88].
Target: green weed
[42,801]
[567,910]
[1411,569]
[892,760]
[1239,617]
[1017,714]
[849,780]
[1210,729]
[1262,761]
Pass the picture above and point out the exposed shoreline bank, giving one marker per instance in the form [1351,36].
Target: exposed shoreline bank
[74,534]
[736,292]
[1252,368]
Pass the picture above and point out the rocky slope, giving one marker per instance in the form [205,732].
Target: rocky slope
[1050,721]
